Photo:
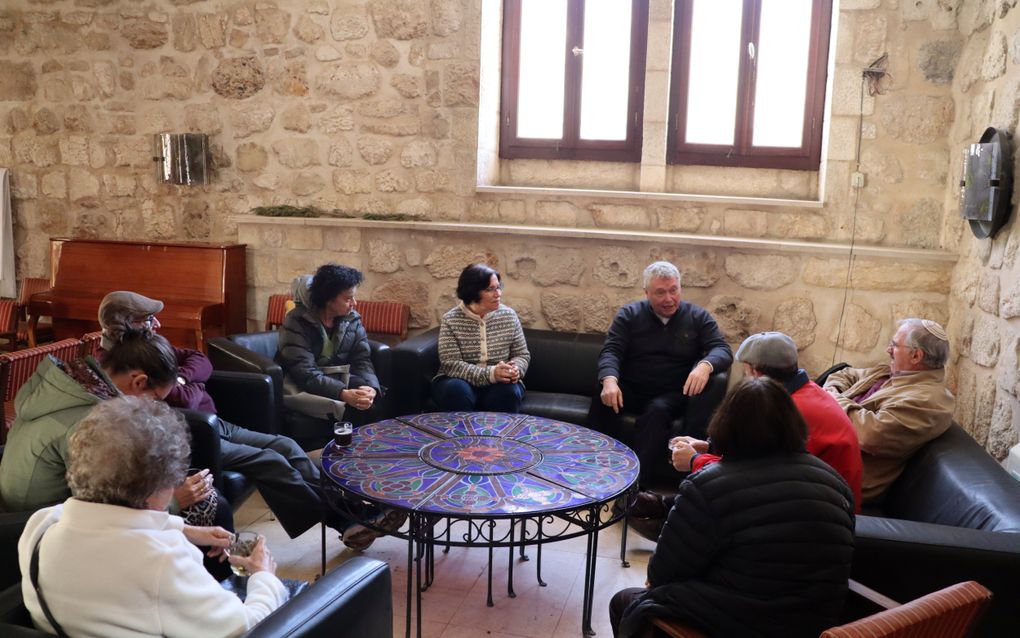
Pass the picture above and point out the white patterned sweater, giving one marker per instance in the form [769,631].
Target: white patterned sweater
[470,346]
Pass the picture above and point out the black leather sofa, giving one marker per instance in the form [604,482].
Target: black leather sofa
[254,352]
[953,515]
[561,380]
[355,599]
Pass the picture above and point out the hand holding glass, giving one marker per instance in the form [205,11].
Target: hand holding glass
[243,545]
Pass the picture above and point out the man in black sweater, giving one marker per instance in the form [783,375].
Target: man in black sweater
[657,357]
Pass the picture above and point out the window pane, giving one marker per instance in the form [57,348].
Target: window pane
[606,70]
[715,62]
[783,43]
[540,94]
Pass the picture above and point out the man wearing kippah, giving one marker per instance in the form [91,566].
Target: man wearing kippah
[897,407]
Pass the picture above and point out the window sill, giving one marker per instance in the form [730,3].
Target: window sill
[704,241]
[648,196]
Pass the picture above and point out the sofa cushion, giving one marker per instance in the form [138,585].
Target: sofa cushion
[953,481]
[562,362]
[555,405]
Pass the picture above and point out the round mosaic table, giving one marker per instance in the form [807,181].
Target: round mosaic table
[458,474]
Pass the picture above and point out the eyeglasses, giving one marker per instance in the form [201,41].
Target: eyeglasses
[893,345]
[492,289]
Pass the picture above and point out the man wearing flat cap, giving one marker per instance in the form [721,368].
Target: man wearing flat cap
[831,437]
[896,408]
[287,479]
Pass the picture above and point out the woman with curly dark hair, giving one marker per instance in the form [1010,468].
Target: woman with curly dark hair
[758,544]
[324,331]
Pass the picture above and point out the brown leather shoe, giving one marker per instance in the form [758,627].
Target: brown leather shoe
[649,528]
[648,505]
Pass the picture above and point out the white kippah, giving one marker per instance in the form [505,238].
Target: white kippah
[935,329]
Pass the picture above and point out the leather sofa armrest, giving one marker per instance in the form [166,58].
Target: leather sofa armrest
[15,621]
[413,363]
[12,524]
[247,399]
[356,596]
[227,355]
[205,443]
[908,559]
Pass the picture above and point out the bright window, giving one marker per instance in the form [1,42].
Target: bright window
[573,79]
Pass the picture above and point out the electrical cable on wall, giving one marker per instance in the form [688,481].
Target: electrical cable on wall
[872,77]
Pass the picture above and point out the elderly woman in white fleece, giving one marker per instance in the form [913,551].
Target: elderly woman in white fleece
[111,561]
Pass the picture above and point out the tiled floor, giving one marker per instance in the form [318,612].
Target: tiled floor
[454,607]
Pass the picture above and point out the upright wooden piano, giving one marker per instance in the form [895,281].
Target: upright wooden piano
[202,286]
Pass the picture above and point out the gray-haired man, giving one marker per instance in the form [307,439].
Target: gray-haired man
[897,407]
[656,361]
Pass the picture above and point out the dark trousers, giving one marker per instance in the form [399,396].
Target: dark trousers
[457,395]
[619,603]
[653,426]
[287,479]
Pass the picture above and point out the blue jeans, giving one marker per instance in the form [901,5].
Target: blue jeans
[457,395]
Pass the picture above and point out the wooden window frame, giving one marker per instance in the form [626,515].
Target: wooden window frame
[570,146]
[741,153]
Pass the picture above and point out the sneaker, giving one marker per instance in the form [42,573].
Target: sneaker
[390,521]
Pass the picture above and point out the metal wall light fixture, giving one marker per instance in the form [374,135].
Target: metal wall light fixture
[181,158]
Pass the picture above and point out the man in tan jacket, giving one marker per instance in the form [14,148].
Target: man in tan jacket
[897,407]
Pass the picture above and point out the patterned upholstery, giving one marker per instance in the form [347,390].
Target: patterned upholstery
[385,317]
[276,311]
[947,613]
[90,343]
[17,367]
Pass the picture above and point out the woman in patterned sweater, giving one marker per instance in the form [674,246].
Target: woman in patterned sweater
[482,352]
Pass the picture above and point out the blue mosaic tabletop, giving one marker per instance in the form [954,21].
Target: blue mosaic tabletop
[481,464]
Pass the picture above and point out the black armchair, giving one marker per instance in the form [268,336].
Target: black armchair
[356,596]
[254,353]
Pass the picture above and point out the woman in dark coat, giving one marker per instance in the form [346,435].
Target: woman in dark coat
[758,544]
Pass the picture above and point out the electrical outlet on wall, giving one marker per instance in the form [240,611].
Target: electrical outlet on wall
[857,179]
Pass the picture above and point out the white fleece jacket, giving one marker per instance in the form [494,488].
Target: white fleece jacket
[113,571]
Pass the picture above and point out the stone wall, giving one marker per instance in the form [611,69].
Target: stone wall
[985,297]
[375,106]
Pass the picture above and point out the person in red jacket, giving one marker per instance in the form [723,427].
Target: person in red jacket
[831,436]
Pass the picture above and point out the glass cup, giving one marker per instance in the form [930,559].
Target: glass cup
[343,433]
[242,545]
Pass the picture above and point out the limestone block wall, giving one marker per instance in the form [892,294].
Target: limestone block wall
[985,293]
[375,106]
[562,283]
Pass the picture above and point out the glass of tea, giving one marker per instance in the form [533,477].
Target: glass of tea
[343,433]
[242,545]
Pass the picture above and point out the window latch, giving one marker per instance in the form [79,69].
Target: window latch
[577,51]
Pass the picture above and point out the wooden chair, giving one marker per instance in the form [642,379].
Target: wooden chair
[17,367]
[276,310]
[90,343]
[9,322]
[385,321]
[952,612]
[29,287]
